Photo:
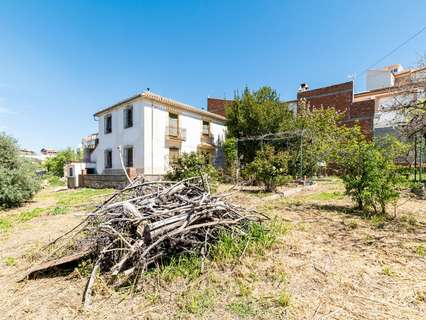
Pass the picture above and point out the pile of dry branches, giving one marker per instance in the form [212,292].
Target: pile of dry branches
[150,221]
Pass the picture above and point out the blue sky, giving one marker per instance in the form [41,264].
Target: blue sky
[60,61]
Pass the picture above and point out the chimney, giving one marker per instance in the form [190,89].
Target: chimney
[303,87]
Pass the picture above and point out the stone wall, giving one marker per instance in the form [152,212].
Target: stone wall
[99,181]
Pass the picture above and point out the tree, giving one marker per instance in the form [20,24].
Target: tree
[318,133]
[55,165]
[368,169]
[18,180]
[230,151]
[256,113]
[269,167]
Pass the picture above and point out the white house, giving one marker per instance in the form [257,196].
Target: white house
[150,131]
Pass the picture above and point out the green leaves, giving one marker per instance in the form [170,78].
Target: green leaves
[269,167]
[18,180]
[256,113]
[55,165]
[191,165]
[370,175]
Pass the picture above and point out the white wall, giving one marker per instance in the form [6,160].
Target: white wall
[156,151]
[148,136]
[155,122]
[77,168]
[388,115]
[132,136]
[377,79]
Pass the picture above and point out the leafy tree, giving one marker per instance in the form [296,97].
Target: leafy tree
[269,167]
[191,165]
[368,169]
[230,152]
[256,113]
[55,165]
[18,180]
[318,132]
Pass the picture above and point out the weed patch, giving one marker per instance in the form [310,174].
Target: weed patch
[242,308]
[284,299]
[196,302]
[56,211]
[352,224]
[80,198]
[8,222]
[185,266]
[55,181]
[420,250]
[231,247]
[326,196]
[5,224]
[388,271]
[10,261]
[378,221]
[30,214]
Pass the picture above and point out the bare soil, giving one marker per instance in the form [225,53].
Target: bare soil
[333,263]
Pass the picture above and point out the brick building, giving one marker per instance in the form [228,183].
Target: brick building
[374,110]
[217,106]
[339,96]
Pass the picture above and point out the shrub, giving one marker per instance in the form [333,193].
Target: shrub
[369,173]
[55,181]
[230,152]
[269,167]
[192,165]
[18,179]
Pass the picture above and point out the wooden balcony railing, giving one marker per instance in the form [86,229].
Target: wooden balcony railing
[176,133]
[207,139]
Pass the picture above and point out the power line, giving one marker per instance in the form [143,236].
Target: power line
[393,50]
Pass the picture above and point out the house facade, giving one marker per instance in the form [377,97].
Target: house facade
[147,132]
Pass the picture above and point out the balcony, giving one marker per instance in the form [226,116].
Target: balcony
[176,133]
[207,139]
[90,142]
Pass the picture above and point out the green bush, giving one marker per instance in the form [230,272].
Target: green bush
[192,165]
[54,181]
[18,179]
[369,172]
[230,152]
[269,167]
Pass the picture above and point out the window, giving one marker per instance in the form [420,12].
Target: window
[108,123]
[108,159]
[173,124]
[206,128]
[173,155]
[71,173]
[128,117]
[128,156]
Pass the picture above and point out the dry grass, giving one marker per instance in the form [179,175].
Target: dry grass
[328,262]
